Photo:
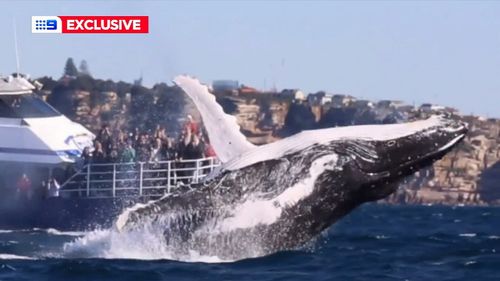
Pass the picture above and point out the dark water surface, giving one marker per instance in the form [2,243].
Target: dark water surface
[373,243]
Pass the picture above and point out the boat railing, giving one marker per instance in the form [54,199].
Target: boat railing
[135,178]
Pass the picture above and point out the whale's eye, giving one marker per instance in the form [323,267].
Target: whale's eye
[391,143]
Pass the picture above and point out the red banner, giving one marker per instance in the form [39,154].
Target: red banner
[105,24]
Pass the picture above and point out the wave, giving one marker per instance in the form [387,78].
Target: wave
[14,257]
[467,234]
[53,231]
[138,245]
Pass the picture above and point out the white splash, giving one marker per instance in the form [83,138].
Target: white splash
[14,257]
[124,216]
[53,231]
[467,234]
[144,244]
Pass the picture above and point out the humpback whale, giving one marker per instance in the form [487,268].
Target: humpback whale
[278,196]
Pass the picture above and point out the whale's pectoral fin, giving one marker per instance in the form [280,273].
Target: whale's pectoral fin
[223,130]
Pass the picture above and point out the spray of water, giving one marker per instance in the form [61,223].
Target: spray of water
[162,238]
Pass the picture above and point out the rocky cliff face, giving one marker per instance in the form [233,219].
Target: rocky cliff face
[468,175]
[260,116]
[93,103]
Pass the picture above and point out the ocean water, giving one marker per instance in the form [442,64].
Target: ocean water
[375,242]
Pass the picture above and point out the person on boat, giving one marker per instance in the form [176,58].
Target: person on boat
[53,188]
[156,151]
[160,133]
[128,153]
[191,125]
[113,156]
[24,187]
[86,156]
[168,150]
[209,150]
[98,156]
[143,148]
[194,150]
[105,138]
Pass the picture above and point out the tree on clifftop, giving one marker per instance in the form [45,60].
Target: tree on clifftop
[70,68]
[84,68]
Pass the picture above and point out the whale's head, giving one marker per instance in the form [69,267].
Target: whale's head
[353,165]
[403,156]
[377,164]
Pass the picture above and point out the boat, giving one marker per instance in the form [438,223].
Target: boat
[38,140]
[33,131]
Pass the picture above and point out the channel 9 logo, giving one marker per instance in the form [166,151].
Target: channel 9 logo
[90,24]
[46,24]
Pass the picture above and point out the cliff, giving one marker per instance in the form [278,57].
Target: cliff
[468,175]
[94,102]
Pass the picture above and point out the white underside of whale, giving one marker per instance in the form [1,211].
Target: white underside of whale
[255,211]
[236,152]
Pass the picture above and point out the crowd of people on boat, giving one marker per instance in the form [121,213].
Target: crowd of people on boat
[115,145]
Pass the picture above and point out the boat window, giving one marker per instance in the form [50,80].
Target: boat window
[6,111]
[25,106]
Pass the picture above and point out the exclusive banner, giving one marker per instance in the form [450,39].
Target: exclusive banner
[90,24]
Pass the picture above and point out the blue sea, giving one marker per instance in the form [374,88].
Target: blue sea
[375,242]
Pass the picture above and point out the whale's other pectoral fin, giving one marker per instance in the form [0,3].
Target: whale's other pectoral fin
[223,130]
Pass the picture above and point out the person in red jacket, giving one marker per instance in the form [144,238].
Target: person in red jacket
[24,187]
[209,150]
[191,125]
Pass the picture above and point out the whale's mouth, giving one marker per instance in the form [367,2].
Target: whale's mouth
[431,157]
[414,153]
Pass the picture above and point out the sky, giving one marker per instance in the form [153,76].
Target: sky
[439,52]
